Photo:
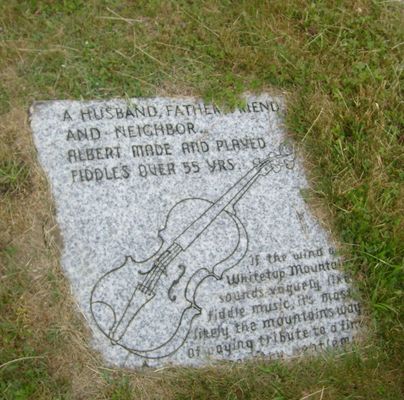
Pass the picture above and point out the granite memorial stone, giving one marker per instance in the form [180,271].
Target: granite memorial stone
[186,237]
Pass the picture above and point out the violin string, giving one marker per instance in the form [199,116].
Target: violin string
[159,271]
[151,277]
[166,261]
[164,268]
[155,268]
[172,253]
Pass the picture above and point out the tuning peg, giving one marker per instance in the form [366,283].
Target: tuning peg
[267,169]
[289,164]
[285,149]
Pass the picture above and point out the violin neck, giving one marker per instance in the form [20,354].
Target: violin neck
[226,201]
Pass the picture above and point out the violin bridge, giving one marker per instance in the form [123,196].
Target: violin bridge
[145,289]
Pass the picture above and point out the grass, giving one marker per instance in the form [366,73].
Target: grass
[339,63]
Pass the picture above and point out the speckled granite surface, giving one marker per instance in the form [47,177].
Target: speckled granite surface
[186,237]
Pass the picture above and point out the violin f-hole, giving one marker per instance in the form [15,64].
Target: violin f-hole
[171,296]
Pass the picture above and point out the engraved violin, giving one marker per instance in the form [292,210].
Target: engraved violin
[200,239]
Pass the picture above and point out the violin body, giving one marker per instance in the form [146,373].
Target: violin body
[200,239]
[142,292]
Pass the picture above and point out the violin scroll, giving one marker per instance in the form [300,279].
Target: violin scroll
[284,157]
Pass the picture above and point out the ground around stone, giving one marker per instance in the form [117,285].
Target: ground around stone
[339,66]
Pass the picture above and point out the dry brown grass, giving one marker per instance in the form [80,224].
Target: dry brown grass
[218,51]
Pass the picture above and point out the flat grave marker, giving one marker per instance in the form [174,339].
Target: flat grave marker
[186,236]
